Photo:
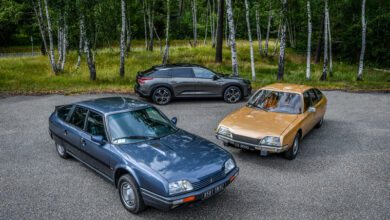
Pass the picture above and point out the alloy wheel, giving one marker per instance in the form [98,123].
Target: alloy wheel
[162,96]
[233,94]
[128,196]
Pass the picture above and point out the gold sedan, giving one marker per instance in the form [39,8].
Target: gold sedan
[275,119]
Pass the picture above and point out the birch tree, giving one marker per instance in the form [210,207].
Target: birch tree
[212,24]
[325,66]
[194,22]
[268,30]
[123,39]
[282,42]
[258,30]
[166,51]
[81,43]
[145,25]
[50,34]
[151,26]
[208,14]
[277,40]
[219,37]
[248,24]
[89,55]
[309,30]
[232,34]
[364,28]
[330,46]
[38,14]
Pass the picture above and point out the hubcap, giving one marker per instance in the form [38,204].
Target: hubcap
[162,96]
[127,194]
[233,94]
[296,145]
[60,149]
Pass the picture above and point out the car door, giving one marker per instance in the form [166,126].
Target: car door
[321,105]
[308,120]
[207,83]
[98,153]
[73,132]
[182,82]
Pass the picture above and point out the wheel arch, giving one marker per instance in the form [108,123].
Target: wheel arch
[120,171]
[232,84]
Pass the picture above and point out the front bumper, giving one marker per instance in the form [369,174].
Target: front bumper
[248,146]
[167,203]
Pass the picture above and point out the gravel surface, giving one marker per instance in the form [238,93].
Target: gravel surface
[342,170]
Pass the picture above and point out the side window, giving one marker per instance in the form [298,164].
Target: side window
[306,100]
[203,73]
[161,74]
[182,72]
[78,117]
[318,93]
[313,97]
[63,112]
[95,125]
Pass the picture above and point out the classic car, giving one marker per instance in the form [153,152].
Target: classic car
[275,119]
[137,148]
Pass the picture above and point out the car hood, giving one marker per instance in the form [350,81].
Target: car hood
[256,123]
[181,155]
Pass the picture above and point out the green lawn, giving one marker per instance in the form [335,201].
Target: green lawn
[30,75]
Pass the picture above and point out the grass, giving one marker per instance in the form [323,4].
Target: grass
[32,75]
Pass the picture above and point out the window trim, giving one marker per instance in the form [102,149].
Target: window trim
[104,124]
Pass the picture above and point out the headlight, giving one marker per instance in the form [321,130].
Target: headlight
[229,165]
[273,141]
[179,186]
[224,131]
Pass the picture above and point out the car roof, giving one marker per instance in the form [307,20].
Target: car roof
[174,65]
[288,87]
[110,105]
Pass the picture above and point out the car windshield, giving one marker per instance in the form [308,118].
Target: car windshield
[275,101]
[139,125]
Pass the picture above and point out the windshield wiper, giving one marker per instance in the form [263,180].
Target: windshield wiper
[137,137]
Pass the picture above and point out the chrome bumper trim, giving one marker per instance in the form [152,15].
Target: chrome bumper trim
[255,146]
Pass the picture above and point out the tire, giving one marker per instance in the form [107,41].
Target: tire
[61,150]
[162,96]
[292,152]
[319,124]
[232,94]
[130,195]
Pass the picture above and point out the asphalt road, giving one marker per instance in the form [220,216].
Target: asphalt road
[341,172]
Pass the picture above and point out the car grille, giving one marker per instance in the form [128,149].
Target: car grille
[209,179]
[245,139]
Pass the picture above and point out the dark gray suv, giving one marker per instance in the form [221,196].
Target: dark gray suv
[163,83]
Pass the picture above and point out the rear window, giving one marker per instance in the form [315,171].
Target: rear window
[78,117]
[182,72]
[63,112]
[318,93]
[160,74]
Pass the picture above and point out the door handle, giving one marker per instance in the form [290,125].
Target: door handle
[83,142]
[65,132]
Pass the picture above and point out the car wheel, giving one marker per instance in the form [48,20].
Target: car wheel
[162,96]
[232,94]
[130,195]
[61,150]
[294,149]
[319,124]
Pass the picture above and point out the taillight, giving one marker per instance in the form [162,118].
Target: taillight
[142,80]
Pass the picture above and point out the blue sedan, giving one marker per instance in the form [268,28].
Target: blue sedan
[142,152]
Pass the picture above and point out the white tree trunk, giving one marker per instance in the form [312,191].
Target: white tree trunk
[50,33]
[80,46]
[166,51]
[123,39]
[41,25]
[89,55]
[325,66]
[145,25]
[309,30]
[232,32]
[258,29]
[330,48]
[282,42]
[268,30]
[194,23]
[64,45]
[364,28]
[248,24]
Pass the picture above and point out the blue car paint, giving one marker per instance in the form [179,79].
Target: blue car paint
[152,163]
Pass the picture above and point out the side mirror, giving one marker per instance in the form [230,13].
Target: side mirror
[215,77]
[312,109]
[174,120]
[98,139]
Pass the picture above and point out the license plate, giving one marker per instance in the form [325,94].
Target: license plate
[245,146]
[213,191]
